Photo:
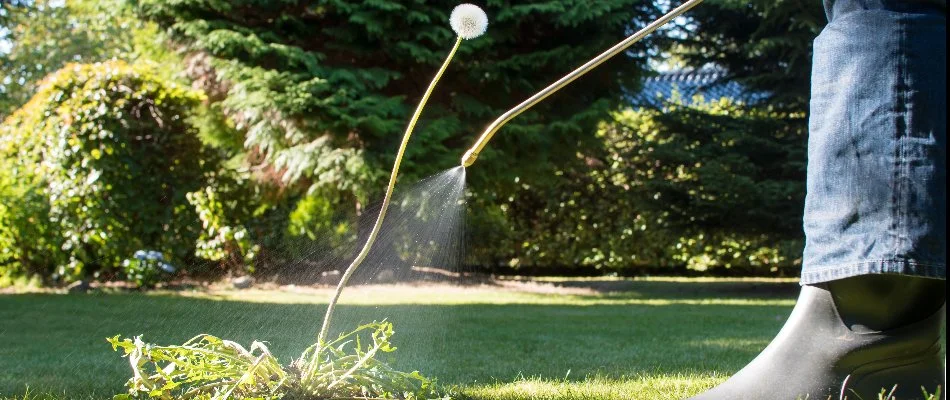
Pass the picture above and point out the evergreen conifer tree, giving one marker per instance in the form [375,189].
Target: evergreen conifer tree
[322,89]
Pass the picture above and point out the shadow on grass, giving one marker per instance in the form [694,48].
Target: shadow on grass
[680,288]
[56,343]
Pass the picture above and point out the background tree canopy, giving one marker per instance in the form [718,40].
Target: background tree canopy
[765,45]
[300,106]
[322,89]
[45,35]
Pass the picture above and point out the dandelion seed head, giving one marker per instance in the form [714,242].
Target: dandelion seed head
[468,21]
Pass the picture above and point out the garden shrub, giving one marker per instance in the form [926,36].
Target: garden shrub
[727,178]
[104,154]
[221,240]
[28,240]
[700,184]
[316,218]
[145,269]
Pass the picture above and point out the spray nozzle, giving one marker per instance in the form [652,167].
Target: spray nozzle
[469,158]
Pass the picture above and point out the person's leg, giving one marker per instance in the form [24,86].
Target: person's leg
[874,268]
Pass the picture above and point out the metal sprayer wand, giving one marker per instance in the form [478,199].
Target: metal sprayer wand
[472,154]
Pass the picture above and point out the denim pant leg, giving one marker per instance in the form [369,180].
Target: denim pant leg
[877,193]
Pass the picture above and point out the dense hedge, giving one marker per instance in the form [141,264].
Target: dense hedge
[96,167]
[702,185]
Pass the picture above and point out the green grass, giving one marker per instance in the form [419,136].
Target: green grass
[656,339]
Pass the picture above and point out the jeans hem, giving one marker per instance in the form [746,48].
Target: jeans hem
[819,274]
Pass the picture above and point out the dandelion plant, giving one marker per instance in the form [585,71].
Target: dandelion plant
[468,21]
[210,368]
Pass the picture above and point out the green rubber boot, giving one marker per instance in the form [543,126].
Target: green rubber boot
[851,339]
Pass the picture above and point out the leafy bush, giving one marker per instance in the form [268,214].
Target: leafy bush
[29,241]
[766,45]
[147,268]
[314,217]
[210,368]
[700,185]
[221,240]
[108,154]
[728,180]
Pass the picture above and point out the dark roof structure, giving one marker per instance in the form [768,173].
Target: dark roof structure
[711,84]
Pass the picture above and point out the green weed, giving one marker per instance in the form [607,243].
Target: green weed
[209,368]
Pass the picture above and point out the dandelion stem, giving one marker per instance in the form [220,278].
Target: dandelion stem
[389,191]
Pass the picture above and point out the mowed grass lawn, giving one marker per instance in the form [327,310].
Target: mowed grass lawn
[557,339]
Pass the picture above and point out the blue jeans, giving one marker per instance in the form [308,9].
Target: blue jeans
[877,192]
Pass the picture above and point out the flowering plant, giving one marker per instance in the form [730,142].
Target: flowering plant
[468,21]
[147,268]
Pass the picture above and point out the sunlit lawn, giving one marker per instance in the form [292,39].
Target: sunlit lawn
[656,339]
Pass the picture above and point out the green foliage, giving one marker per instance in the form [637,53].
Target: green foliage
[204,367]
[322,89]
[209,368]
[45,35]
[713,164]
[7,8]
[701,185]
[109,151]
[345,368]
[147,268]
[315,218]
[305,101]
[29,241]
[764,44]
[221,240]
